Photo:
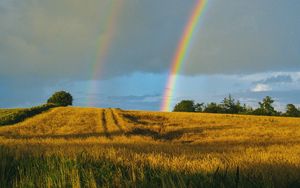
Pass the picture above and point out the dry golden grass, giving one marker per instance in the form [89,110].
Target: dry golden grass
[181,142]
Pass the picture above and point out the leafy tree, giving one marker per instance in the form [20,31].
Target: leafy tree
[292,111]
[241,109]
[199,107]
[61,98]
[247,109]
[185,106]
[266,107]
[231,106]
[228,104]
[213,108]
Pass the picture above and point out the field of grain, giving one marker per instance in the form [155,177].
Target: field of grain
[92,147]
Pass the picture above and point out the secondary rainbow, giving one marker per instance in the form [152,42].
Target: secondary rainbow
[104,43]
[182,52]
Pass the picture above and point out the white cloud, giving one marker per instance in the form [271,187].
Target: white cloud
[261,88]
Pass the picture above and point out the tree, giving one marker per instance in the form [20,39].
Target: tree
[185,106]
[231,106]
[292,111]
[228,104]
[247,109]
[61,98]
[199,107]
[213,108]
[266,107]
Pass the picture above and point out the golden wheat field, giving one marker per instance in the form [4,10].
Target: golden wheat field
[153,148]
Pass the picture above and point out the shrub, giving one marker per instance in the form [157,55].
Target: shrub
[292,111]
[185,106]
[213,108]
[61,98]
[21,115]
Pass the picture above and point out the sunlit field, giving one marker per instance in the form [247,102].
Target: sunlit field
[92,147]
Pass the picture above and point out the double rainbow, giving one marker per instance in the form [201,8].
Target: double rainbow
[104,43]
[182,52]
[179,58]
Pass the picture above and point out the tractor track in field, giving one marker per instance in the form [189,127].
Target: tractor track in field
[104,125]
[116,122]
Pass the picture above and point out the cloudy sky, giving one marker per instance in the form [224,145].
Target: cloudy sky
[116,53]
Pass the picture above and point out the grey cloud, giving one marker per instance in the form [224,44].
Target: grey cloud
[59,39]
[246,37]
[141,102]
[144,102]
[284,97]
[135,98]
[41,39]
[276,79]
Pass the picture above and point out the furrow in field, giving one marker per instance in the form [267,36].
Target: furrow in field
[104,124]
[119,120]
[114,121]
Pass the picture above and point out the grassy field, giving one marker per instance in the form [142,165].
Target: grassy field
[92,147]
[13,116]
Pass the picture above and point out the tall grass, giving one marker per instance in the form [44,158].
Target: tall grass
[83,170]
[90,147]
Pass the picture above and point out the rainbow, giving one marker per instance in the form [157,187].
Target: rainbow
[182,52]
[104,43]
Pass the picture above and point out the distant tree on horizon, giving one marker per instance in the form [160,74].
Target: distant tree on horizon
[213,108]
[61,98]
[185,106]
[199,107]
[292,111]
[231,106]
[266,107]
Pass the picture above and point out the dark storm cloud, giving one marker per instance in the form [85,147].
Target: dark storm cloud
[59,39]
[246,37]
[47,42]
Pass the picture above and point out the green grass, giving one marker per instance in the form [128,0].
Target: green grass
[12,116]
[22,169]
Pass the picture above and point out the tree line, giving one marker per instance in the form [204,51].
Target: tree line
[229,105]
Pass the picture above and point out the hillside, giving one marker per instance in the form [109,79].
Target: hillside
[151,148]
[13,116]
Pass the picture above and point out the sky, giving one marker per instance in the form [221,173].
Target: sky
[117,53]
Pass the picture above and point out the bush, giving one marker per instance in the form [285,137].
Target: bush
[21,115]
[213,108]
[61,98]
[292,111]
[185,106]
